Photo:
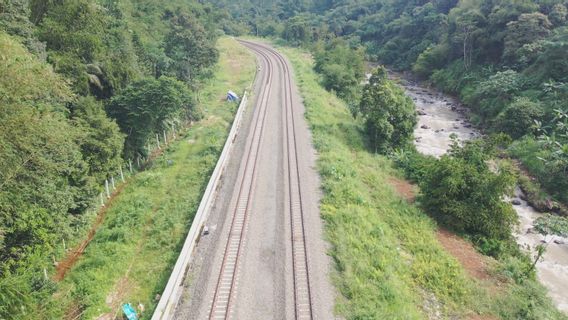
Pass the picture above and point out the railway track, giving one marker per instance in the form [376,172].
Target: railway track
[225,290]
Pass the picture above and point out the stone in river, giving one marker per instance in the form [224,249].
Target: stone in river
[424,126]
[421,113]
[516,202]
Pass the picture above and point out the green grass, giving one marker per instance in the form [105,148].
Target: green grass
[134,250]
[388,260]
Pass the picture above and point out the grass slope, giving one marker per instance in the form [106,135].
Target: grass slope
[130,257]
[389,262]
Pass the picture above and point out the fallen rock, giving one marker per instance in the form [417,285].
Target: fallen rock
[516,202]
[424,126]
[421,113]
[559,241]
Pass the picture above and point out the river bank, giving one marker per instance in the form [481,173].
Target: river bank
[440,116]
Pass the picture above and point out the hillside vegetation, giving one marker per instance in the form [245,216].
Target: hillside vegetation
[85,86]
[389,263]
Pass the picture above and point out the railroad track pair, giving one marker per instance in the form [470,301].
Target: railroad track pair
[224,296]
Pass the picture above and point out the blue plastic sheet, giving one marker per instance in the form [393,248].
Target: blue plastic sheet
[129,312]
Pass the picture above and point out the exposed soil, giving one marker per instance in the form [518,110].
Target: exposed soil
[69,261]
[473,262]
[404,188]
[481,317]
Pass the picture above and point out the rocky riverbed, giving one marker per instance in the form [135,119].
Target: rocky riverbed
[438,117]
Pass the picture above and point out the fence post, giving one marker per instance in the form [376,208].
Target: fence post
[102,201]
[158,140]
[107,188]
[112,181]
[165,138]
[121,174]
[130,165]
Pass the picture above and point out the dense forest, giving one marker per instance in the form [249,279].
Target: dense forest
[505,59]
[84,86]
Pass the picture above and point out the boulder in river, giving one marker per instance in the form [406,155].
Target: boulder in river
[424,126]
[516,202]
[421,112]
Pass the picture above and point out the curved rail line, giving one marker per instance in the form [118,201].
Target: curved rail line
[226,283]
[303,305]
[225,289]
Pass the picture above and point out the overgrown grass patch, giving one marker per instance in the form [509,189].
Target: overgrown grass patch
[389,263]
[130,258]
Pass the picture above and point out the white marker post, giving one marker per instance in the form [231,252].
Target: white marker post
[107,188]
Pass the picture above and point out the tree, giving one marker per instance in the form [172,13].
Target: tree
[462,193]
[466,23]
[389,114]
[558,14]
[548,225]
[493,94]
[529,28]
[150,106]
[518,118]
[190,48]
[100,138]
[341,68]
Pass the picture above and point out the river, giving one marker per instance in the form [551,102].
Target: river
[438,117]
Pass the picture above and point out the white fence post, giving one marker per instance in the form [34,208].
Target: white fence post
[107,188]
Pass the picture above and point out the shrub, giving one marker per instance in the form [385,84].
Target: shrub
[388,113]
[462,193]
[149,106]
[518,118]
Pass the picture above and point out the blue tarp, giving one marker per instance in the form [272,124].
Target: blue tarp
[231,96]
[129,312]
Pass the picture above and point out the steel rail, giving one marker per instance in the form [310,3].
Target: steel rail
[303,304]
[226,283]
